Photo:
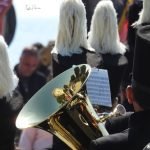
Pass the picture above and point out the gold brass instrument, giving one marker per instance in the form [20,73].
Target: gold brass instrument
[62,107]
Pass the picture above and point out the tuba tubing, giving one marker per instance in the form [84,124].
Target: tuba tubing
[101,125]
[119,110]
[65,110]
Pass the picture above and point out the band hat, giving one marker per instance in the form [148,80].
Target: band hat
[141,74]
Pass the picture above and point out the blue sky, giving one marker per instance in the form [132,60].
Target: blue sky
[37,21]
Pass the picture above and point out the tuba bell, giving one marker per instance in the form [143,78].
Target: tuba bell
[63,108]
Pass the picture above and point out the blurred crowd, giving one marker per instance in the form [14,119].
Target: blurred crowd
[109,44]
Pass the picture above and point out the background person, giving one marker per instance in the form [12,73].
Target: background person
[30,81]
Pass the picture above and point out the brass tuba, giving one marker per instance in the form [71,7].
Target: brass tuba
[62,107]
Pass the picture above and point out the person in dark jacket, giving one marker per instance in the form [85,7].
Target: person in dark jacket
[138,133]
[71,46]
[133,16]
[104,38]
[30,81]
[7,85]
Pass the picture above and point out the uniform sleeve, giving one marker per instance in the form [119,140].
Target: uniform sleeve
[117,141]
[118,124]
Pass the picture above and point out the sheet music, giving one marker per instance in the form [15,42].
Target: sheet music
[98,88]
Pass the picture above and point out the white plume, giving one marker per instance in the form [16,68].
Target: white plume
[72,32]
[103,35]
[8,81]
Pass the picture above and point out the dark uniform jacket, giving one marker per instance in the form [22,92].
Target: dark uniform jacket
[116,65]
[62,63]
[118,124]
[134,138]
[7,125]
